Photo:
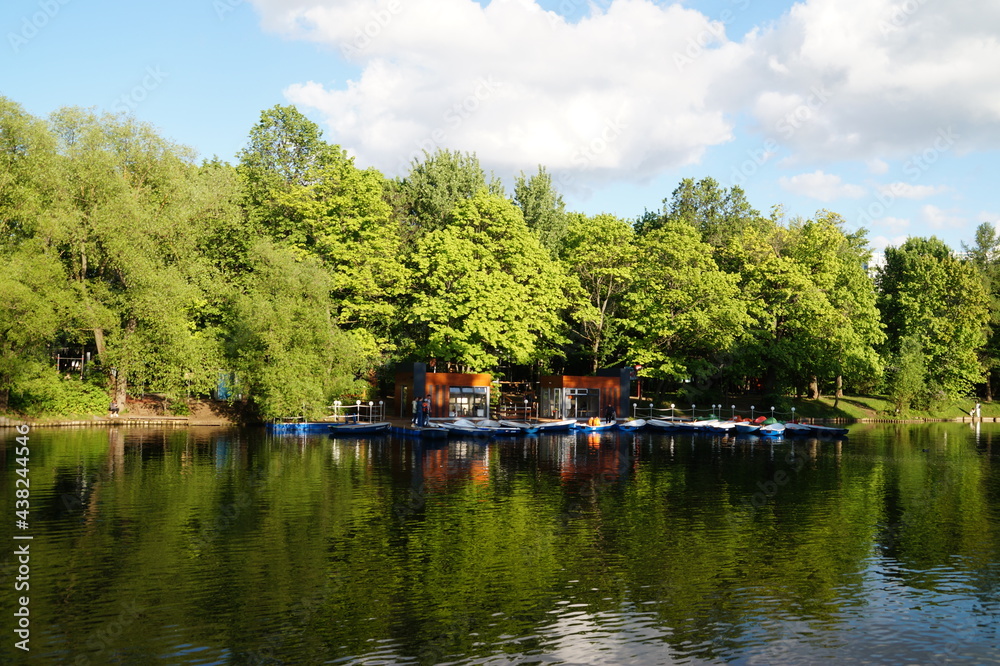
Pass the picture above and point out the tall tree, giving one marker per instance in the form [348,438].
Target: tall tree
[542,207]
[435,185]
[985,256]
[926,292]
[836,264]
[485,289]
[285,149]
[600,252]
[288,352]
[128,237]
[682,309]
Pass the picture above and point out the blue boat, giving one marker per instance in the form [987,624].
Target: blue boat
[348,429]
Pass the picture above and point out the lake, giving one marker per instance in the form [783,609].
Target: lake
[218,546]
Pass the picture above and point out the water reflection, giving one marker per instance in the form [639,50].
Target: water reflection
[230,546]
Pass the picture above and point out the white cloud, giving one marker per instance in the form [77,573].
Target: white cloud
[892,75]
[879,243]
[822,186]
[622,94]
[640,87]
[938,218]
[877,166]
[908,191]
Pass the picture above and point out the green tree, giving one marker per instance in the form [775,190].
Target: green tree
[485,289]
[128,234]
[435,185]
[683,311]
[716,212]
[926,292]
[600,252]
[985,256]
[289,355]
[907,373]
[542,207]
[836,264]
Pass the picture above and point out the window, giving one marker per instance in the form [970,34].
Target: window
[464,401]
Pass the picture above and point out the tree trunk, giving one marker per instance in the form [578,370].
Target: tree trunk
[4,399]
[839,393]
[989,387]
[813,388]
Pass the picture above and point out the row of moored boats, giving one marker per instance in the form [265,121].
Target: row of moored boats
[761,427]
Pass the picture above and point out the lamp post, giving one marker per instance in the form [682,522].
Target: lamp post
[793,415]
[357,410]
[371,404]
[772,411]
[734,410]
[751,412]
[525,409]
[671,411]
[692,411]
[381,409]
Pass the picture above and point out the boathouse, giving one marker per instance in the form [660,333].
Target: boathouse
[578,397]
[453,394]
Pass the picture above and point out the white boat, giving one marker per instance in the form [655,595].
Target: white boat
[498,428]
[463,427]
[634,424]
[544,426]
[664,424]
[800,429]
[773,430]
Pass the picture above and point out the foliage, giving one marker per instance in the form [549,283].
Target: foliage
[543,208]
[42,392]
[924,291]
[435,185]
[308,276]
[600,252]
[485,289]
[682,309]
[284,345]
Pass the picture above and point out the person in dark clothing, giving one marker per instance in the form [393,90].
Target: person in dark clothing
[609,414]
[420,413]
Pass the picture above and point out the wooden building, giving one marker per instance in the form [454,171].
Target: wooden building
[576,397]
[453,394]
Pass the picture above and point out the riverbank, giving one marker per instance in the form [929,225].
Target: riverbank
[137,413]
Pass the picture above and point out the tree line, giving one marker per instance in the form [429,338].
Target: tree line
[308,278]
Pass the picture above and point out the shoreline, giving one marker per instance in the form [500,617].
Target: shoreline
[185,421]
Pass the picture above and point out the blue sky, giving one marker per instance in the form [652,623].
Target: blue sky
[885,111]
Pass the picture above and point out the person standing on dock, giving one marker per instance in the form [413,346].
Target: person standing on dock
[609,414]
[419,412]
[427,409]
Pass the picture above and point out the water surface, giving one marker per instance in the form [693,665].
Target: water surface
[209,546]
